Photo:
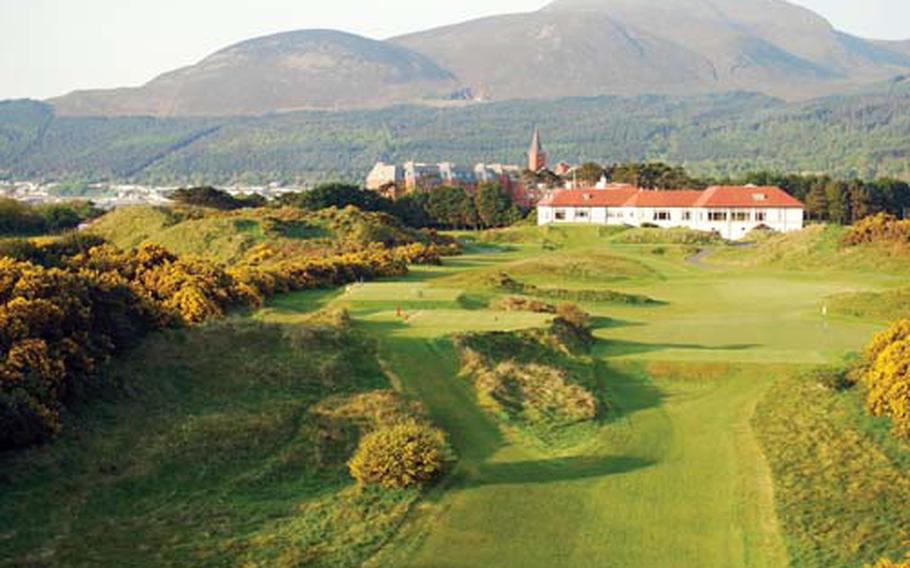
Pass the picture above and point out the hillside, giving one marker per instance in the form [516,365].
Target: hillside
[865,134]
[291,71]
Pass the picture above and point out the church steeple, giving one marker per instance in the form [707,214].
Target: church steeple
[537,158]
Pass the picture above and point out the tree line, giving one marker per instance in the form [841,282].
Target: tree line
[18,218]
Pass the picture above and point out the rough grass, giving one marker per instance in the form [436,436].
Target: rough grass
[885,306]
[842,488]
[672,236]
[539,380]
[228,447]
[818,248]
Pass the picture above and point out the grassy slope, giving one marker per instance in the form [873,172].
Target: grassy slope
[212,458]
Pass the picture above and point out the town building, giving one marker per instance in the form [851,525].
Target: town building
[394,181]
[537,158]
[731,211]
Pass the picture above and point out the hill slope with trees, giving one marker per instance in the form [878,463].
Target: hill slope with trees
[864,134]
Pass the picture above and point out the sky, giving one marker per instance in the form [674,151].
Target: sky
[52,47]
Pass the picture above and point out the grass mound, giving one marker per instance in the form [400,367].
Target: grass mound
[841,483]
[540,381]
[672,236]
[818,247]
[549,236]
[522,304]
[230,236]
[231,446]
[504,282]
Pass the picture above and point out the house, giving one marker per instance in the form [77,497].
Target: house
[731,211]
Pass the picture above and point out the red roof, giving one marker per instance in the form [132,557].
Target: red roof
[681,198]
[748,196]
[589,197]
[713,197]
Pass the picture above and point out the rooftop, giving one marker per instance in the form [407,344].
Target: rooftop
[713,197]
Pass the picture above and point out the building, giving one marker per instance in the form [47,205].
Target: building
[537,158]
[730,211]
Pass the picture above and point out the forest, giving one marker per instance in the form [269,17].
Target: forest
[862,135]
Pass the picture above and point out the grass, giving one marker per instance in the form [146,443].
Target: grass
[885,306]
[697,462]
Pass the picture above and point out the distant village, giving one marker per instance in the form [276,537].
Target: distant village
[731,211]
[111,195]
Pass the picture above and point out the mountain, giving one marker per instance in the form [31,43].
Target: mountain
[569,48]
[595,47]
[291,71]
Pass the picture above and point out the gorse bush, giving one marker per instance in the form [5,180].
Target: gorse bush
[878,228]
[68,305]
[887,376]
[402,455]
[888,563]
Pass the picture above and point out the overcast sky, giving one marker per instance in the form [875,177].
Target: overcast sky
[51,47]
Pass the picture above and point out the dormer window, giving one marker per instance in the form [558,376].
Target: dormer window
[759,197]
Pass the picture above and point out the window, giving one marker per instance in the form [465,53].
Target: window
[661,215]
[686,215]
[740,215]
[717,216]
[581,214]
[760,216]
[560,215]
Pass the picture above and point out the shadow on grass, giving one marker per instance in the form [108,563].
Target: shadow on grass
[616,348]
[628,389]
[553,470]
[602,322]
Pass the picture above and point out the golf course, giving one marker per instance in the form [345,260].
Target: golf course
[705,438]
[675,474]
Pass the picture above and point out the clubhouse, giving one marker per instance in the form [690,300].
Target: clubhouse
[732,211]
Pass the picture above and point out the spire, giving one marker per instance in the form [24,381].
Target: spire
[536,145]
[537,158]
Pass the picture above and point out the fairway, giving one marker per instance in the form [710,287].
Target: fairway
[675,476]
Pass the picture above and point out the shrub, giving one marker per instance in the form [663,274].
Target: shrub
[522,304]
[402,455]
[878,228]
[888,384]
[833,378]
[573,315]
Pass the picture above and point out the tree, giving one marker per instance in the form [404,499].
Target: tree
[817,202]
[590,173]
[206,196]
[338,195]
[494,206]
[452,207]
[837,195]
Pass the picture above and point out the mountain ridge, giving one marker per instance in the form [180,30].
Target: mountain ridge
[569,48]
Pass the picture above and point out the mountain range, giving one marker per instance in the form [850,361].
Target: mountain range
[570,48]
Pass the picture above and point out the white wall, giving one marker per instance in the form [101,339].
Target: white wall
[738,223]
